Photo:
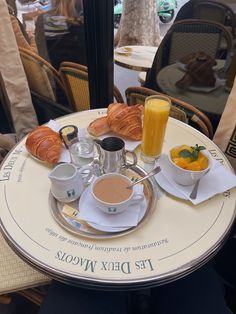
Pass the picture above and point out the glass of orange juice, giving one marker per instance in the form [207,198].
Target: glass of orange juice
[156,113]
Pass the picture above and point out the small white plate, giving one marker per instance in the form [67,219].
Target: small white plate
[36,158]
[85,203]
[163,181]
[207,89]
[182,66]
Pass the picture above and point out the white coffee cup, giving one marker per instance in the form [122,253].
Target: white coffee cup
[68,182]
[111,196]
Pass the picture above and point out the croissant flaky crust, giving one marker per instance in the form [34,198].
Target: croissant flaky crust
[45,144]
[99,126]
[121,119]
[125,120]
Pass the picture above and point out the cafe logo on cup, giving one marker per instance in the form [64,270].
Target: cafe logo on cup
[71,193]
[111,209]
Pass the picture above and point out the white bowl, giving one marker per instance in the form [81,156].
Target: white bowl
[187,177]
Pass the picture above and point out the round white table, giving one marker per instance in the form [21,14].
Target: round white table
[175,239]
[138,58]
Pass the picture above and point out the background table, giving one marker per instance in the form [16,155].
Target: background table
[175,240]
[140,58]
[212,103]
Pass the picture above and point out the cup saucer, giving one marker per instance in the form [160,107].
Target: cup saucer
[87,203]
[161,179]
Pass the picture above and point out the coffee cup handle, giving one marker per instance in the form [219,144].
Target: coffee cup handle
[135,160]
[86,173]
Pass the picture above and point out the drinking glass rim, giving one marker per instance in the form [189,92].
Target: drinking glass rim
[158,97]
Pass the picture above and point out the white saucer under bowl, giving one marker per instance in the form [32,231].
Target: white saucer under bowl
[164,163]
[86,202]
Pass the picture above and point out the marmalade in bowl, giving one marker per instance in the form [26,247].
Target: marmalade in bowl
[188,162]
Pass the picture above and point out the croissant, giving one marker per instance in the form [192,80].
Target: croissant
[98,127]
[125,120]
[121,119]
[197,55]
[45,144]
[199,73]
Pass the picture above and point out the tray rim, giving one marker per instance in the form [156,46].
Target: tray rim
[61,221]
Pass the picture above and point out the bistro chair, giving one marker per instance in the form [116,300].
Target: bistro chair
[188,36]
[216,11]
[75,79]
[42,78]
[47,109]
[180,110]
[18,277]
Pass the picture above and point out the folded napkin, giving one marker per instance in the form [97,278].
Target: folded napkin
[65,155]
[216,181]
[90,213]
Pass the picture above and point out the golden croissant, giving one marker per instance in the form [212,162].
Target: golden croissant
[99,126]
[45,144]
[121,119]
[125,120]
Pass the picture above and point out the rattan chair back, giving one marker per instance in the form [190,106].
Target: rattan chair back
[185,37]
[137,95]
[215,11]
[180,110]
[75,79]
[42,77]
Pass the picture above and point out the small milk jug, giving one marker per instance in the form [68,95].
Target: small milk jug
[67,182]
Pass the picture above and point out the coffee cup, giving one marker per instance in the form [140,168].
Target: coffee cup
[111,194]
[68,182]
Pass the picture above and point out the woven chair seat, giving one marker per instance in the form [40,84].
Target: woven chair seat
[15,274]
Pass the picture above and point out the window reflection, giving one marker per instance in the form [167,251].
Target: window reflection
[54,30]
[59,33]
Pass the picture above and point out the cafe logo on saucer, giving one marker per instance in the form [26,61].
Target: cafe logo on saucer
[111,209]
[71,193]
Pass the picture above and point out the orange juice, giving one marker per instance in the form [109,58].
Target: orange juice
[156,113]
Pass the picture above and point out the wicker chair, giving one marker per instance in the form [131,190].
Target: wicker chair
[42,78]
[75,79]
[180,110]
[216,11]
[189,36]
[18,277]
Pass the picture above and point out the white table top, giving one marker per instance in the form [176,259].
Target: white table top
[139,58]
[176,239]
[210,102]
